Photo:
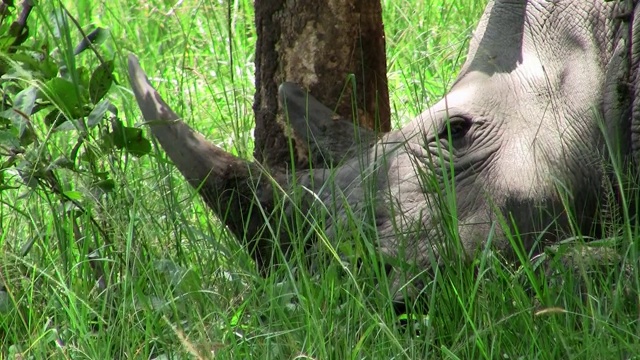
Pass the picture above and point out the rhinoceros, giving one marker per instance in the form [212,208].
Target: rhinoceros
[523,145]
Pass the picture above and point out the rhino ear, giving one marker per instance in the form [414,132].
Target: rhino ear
[330,138]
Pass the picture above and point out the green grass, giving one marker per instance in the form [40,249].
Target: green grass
[176,283]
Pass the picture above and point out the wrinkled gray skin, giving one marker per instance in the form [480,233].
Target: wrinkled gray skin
[522,134]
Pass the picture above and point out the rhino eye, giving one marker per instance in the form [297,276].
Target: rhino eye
[458,126]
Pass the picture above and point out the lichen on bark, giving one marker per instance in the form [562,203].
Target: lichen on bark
[334,49]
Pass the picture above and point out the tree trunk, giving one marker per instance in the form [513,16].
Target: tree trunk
[328,47]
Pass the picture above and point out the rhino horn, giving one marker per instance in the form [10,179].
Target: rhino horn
[230,186]
[330,138]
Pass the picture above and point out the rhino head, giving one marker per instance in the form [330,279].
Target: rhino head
[516,149]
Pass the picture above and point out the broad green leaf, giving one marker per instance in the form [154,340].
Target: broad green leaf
[21,127]
[25,100]
[105,185]
[73,195]
[84,77]
[131,140]
[68,125]
[104,175]
[139,146]
[64,93]
[118,136]
[54,118]
[101,81]
[5,42]
[15,117]
[48,68]
[97,36]
[30,61]
[97,114]
[9,139]
[237,315]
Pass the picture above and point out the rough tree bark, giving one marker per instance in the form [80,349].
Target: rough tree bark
[318,44]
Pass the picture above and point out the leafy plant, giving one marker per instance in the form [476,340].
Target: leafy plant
[58,127]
